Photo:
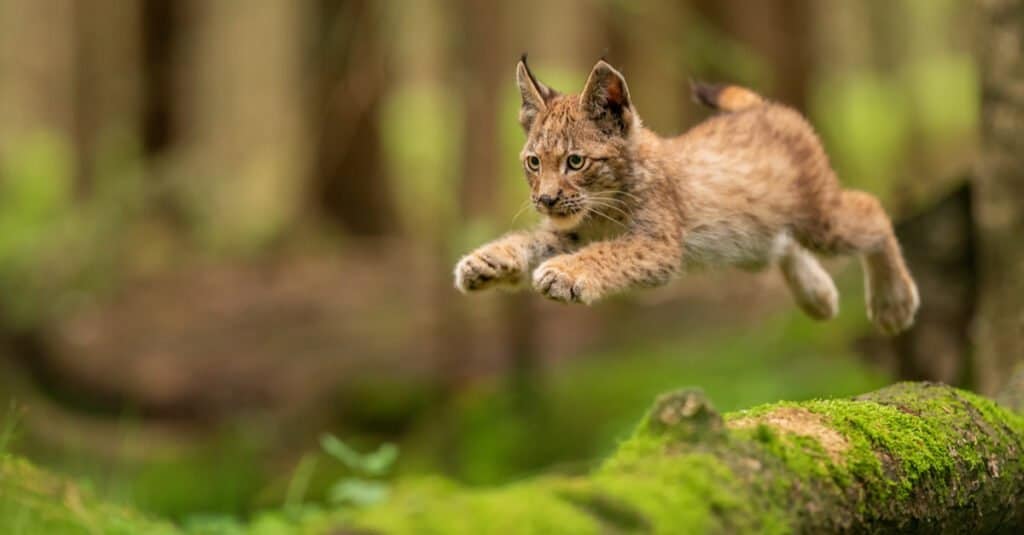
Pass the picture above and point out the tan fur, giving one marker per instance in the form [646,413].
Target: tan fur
[749,188]
[735,98]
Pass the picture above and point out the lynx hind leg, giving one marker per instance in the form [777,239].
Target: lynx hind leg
[890,290]
[861,226]
[812,286]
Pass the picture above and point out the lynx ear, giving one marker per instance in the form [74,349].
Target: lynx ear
[605,98]
[535,94]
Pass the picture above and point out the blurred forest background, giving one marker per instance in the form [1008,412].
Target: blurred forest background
[228,227]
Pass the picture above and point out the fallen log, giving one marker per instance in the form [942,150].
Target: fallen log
[910,458]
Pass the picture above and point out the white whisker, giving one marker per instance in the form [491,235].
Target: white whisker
[519,212]
[619,192]
[598,202]
[592,211]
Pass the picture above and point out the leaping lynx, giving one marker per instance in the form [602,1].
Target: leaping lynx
[624,208]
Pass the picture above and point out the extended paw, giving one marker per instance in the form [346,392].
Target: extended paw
[556,280]
[487,267]
[811,285]
[820,303]
[893,305]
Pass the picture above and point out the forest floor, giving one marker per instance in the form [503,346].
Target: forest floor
[588,395]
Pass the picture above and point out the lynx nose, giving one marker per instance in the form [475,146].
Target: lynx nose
[547,200]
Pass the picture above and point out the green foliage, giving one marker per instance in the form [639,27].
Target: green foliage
[220,476]
[35,200]
[9,428]
[56,249]
[360,490]
[945,96]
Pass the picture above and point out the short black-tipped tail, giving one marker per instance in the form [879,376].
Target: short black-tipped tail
[725,97]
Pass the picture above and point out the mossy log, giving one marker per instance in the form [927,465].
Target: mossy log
[911,458]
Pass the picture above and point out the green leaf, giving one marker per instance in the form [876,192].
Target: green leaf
[379,462]
[358,492]
[342,452]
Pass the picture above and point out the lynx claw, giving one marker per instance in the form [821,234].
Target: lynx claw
[558,284]
[892,309]
[480,270]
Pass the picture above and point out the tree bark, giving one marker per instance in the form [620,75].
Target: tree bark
[999,196]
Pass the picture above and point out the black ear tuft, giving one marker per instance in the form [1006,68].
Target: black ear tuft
[535,95]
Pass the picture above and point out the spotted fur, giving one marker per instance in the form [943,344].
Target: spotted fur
[750,188]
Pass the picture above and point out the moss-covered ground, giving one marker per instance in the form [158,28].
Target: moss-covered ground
[913,456]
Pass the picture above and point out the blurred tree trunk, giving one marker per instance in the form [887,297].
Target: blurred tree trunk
[939,245]
[108,86]
[999,201]
[162,24]
[68,70]
[243,128]
[487,67]
[565,36]
[37,76]
[647,43]
[350,69]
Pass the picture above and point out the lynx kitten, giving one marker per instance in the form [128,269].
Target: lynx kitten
[624,208]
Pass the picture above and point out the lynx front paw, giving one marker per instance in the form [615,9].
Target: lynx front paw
[556,280]
[485,268]
[892,305]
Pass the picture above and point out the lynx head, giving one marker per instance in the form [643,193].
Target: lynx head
[577,146]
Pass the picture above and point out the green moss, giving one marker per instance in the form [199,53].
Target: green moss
[907,450]
[906,442]
[672,473]
[536,506]
[893,430]
[33,501]
[611,512]
[801,454]
[690,490]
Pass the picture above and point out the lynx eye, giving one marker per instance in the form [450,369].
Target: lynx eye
[575,162]
[533,162]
